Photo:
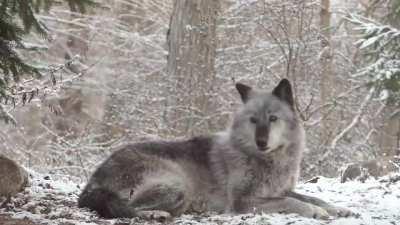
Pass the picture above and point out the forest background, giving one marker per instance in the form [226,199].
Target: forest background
[79,77]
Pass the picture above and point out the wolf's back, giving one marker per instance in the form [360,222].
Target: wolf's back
[105,202]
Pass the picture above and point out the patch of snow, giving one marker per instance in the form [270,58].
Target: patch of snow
[53,201]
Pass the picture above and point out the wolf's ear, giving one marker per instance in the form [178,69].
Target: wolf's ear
[244,91]
[284,92]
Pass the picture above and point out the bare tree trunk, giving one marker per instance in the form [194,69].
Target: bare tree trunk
[389,136]
[327,73]
[192,49]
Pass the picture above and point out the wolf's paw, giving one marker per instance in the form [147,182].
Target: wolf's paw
[317,212]
[158,215]
[338,211]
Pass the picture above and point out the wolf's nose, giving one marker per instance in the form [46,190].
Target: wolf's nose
[261,144]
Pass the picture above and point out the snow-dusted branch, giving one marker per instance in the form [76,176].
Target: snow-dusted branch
[355,120]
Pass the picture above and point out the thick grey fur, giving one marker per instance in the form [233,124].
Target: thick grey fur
[252,166]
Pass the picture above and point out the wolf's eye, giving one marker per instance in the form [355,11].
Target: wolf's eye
[253,120]
[273,118]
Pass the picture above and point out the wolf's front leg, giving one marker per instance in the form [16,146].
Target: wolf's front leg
[240,185]
[289,205]
[331,209]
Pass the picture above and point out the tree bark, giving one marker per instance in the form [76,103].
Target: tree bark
[192,50]
[326,62]
[389,136]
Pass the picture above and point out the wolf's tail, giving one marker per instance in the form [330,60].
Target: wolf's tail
[106,203]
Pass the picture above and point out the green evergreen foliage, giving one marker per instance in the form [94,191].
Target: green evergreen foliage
[380,45]
[17,18]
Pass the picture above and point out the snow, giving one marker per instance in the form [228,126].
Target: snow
[375,201]
[52,200]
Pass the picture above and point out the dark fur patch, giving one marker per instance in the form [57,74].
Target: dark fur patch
[126,166]
[195,149]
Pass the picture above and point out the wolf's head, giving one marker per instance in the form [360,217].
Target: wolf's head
[266,122]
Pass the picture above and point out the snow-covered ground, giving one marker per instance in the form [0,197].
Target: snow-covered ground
[53,201]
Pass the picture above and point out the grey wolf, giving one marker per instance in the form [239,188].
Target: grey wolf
[252,166]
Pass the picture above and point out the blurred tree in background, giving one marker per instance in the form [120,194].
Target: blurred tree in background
[380,68]
[380,43]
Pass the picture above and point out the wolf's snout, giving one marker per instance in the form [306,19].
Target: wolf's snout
[262,145]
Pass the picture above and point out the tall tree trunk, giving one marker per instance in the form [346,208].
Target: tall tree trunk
[192,50]
[327,73]
[389,137]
